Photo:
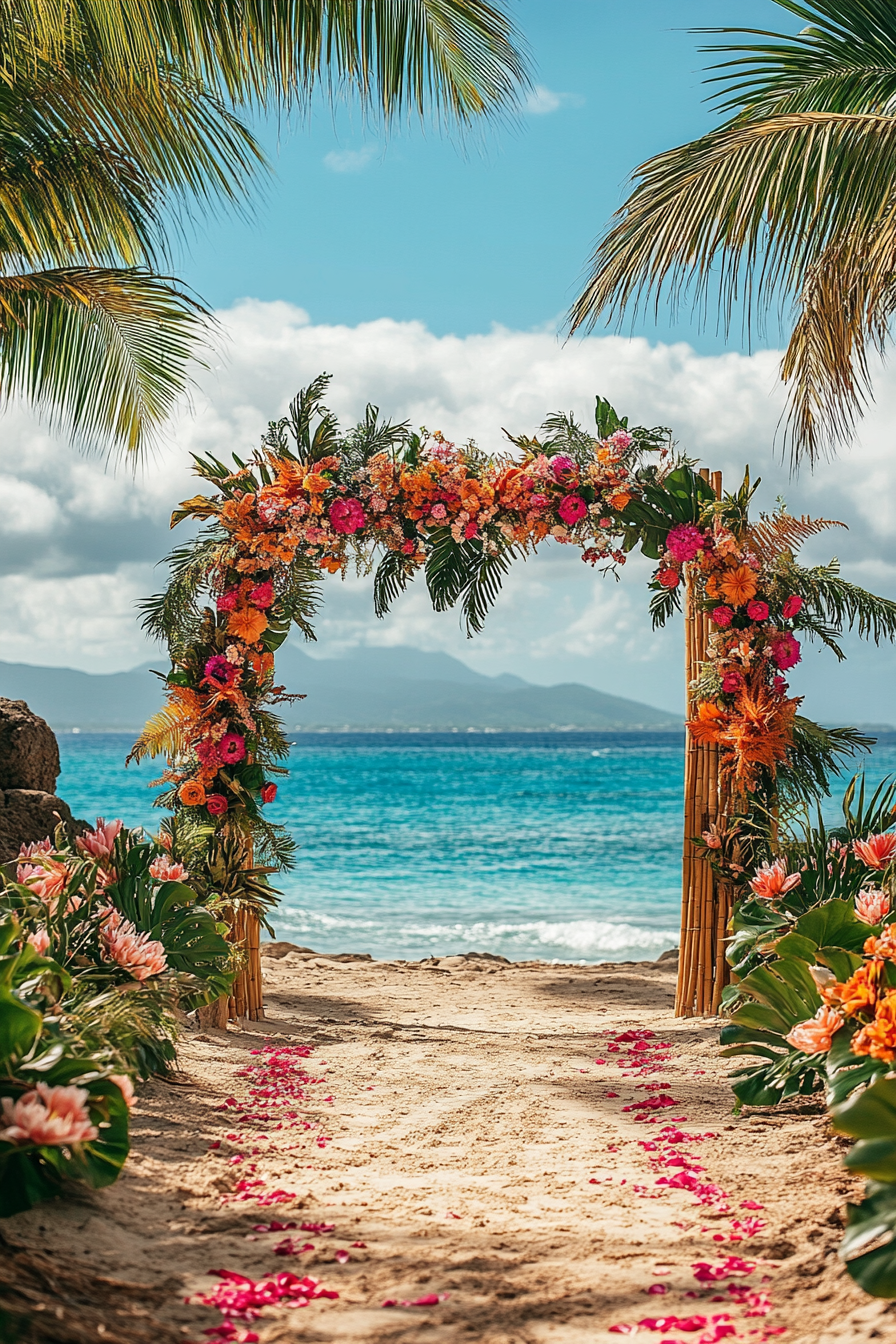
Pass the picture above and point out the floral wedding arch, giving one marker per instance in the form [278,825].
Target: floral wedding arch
[313,499]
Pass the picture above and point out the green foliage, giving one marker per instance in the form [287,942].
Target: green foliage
[869,1246]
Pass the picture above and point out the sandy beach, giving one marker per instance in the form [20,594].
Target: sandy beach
[467,1132]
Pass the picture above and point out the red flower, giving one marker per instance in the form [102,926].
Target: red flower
[262,596]
[721,616]
[731,682]
[668,578]
[792,607]
[757,611]
[216,804]
[269,793]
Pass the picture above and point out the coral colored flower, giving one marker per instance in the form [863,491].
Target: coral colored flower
[668,578]
[792,607]
[47,880]
[571,508]
[878,1039]
[876,851]
[738,586]
[269,793]
[786,651]
[220,669]
[36,847]
[757,611]
[164,869]
[262,595]
[562,465]
[814,1037]
[48,1116]
[721,616]
[134,952]
[539,501]
[216,804]
[685,542]
[772,880]
[227,601]
[731,682]
[126,1087]
[872,905]
[191,793]
[101,842]
[248,624]
[347,516]
[711,840]
[39,940]
[232,748]
[858,993]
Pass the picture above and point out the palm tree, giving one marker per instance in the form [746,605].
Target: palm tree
[791,199]
[117,114]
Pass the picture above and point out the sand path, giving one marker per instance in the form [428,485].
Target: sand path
[475,1148]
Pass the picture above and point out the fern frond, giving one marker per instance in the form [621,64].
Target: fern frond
[163,734]
[777,533]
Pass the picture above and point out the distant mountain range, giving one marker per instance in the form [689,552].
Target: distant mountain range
[371,689]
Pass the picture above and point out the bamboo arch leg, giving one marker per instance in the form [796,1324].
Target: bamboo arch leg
[246,997]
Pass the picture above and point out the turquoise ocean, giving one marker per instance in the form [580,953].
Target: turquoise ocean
[560,846]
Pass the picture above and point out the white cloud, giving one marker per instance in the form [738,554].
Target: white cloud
[79,544]
[350,160]
[541,100]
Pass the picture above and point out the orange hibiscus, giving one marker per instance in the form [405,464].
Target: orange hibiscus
[878,1039]
[247,623]
[738,586]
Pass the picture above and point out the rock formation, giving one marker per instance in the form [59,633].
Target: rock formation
[29,768]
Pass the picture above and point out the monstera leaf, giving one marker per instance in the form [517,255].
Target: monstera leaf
[782,993]
[869,1245]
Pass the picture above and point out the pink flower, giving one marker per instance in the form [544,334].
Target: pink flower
[262,596]
[216,804]
[814,1037]
[39,940]
[757,611]
[786,651]
[685,542]
[872,905]
[232,748]
[772,880]
[731,682]
[792,607]
[269,793]
[123,1082]
[875,851]
[207,752]
[721,616]
[164,869]
[561,466]
[51,1116]
[101,842]
[539,501]
[227,601]
[47,880]
[220,670]
[711,840]
[438,511]
[346,515]
[668,578]
[621,439]
[36,847]
[134,952]
[571,508]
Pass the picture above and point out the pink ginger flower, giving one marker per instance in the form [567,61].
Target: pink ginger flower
[164,869]
[39,940]
[772,880]
[872,905]
[814,1037]
[125,1086]
[786,651]
[51,1116]
[47,879]
[875,851]
[685,542]
[792,607]
[572,508]
[36,847]
[347,516]
[134,952]
[100,843]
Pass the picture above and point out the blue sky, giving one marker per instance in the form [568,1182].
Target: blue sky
[355,226]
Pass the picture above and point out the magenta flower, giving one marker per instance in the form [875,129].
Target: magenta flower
[262,596]
[227,601]
[232,748]
[786,651]
[561,465]
[721,616]
[219,669]
[685,542]
[539,501]
[572,508]
[757,611]
[731,682]
[346,515]
[792,607]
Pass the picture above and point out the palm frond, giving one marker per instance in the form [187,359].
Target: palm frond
[163,733]
[814,756]
[844,605]
[393,574]
[487,571]
[173,616]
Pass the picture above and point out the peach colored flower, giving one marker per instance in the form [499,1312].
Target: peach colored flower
[134,952]
[884,946]
[48,1115]
[711,840]
[772,880]
[876,851]
[164,869]
[814,1037]
[36,847]
[100,843]
[123,1082]
[47,879]
[39,940]
[872,905]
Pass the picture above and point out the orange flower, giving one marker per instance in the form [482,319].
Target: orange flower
[332,564]
[315,484]
[710,723]
[859,992]
[191,794]
[619,500]
[879,1038]
[884,946]
[739,586]
[247,624]
[712,586]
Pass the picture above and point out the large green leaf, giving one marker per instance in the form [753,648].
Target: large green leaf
[868,1246]
[834,924]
